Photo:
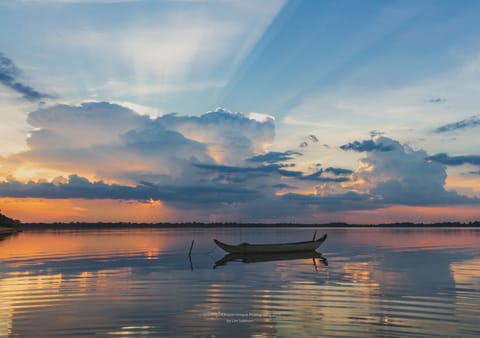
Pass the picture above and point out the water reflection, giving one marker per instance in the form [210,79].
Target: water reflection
[379,282]
[270,257]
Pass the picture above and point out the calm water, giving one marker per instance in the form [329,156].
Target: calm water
[133,283]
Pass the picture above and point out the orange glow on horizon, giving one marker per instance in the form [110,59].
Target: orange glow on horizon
[85,210]
[151,211]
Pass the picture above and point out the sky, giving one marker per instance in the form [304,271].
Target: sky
[240,111]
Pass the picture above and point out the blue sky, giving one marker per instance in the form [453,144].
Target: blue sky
[88,88]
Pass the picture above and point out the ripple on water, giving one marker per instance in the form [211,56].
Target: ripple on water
[145,287]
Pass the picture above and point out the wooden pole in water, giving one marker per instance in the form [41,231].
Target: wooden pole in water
[314,235]
[191,247]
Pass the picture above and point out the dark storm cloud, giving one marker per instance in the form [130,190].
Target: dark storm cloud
[266,169]
[454,160]
[275,156]
[80,187]
[471,122]
[283,186]
[278,169]
[338,171]
[8,77]
[367,146]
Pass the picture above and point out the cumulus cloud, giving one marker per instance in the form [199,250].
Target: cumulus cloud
[216,162]
[109,141]
[471,122]
[376,144]
[403,176]
[9,74]
[230,137]
[454,160]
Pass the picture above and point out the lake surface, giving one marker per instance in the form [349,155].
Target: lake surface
[140,282]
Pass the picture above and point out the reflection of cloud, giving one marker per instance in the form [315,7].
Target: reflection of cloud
[466,273]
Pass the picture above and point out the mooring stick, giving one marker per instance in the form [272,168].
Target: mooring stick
[191,247]
[314,235]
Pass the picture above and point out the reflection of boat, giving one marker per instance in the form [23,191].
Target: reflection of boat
[268,257]
[245,248]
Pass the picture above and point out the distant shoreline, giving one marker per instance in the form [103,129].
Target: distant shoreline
[118,225]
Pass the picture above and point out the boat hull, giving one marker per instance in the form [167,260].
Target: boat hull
[272,248]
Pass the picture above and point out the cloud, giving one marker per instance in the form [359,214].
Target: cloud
[230,137]
[215,163]
[454,160]
[8,77]
[337,202]
[338,171]
[108,141]
[260,170]
[79,187]
[304,144]
[403,176]
[309,138]
[374,133]
[437,100]
[471,122]
[275,169]
[275,156]
[369,145]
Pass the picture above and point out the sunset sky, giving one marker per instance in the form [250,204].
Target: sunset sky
[247,111]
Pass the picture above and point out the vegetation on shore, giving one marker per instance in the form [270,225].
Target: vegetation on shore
[96,225]
[8,225]
[8,222]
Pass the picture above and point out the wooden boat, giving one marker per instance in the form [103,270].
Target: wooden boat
[268,257]
[245,248]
